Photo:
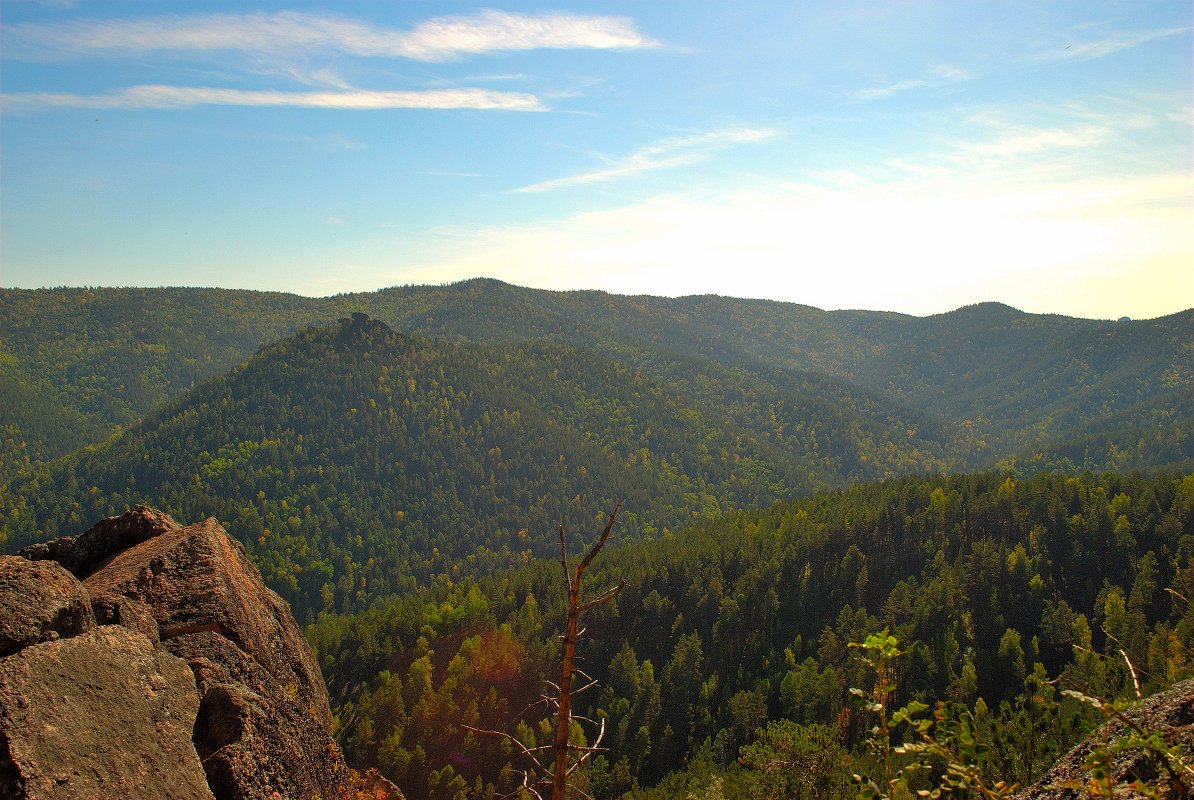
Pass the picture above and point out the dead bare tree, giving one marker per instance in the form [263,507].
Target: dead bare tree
[567,758]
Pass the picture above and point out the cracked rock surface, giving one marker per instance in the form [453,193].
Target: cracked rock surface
[196,684]
[40,601]
[1169,713]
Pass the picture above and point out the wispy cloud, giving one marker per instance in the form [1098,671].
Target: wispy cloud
[1025,202]
[1099,48]
[175,97]
[940,76]
[1037,140]
[491,78]
[672,152]
[496,31]
[288,32]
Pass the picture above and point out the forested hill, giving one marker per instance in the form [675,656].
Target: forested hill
[354,461]
[75,363]
[726,658]
[413,466]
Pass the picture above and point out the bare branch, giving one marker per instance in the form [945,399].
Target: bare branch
[585,757]
[1135,680]
[596,548]
[526,785]
[542,699]
[582,793]
[586,687]
[568,758]
[605,597]
[564,559]
[528,752]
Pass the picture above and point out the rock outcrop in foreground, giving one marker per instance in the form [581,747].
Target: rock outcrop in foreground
[148,659]
[102,714]
[1169,713]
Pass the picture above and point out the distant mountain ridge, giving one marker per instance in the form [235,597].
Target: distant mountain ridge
[75,363]
[458,426]
[355,461]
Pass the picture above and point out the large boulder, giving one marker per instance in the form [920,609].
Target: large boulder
[102,714]
[39,601]
[264,718]
[84,553]
[197,684]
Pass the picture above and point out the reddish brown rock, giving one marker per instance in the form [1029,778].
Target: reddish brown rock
[39,601]
[370,785]
[116,609]
[264,719]
[103,714]
[192,610]
[85,553]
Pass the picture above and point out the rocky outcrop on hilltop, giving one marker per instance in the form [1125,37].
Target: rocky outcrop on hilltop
[148,659]
[84,553]
[264,719]
[1169,713]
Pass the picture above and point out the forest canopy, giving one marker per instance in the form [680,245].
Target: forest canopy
[730,640]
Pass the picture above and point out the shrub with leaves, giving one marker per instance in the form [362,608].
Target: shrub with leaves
[947,741]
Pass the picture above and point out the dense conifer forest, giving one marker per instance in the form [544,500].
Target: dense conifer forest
[355,462]
[1057,391]
[730,641]
[1008,495]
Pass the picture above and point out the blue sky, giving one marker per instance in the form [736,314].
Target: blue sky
[910,156]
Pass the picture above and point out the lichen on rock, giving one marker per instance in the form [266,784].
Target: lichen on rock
[102,714]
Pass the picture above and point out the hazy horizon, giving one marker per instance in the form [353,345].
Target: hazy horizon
[681,296]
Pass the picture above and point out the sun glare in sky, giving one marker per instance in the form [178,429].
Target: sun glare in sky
[901,156]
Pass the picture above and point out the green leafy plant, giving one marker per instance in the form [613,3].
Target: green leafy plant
[878,652]
[949,737]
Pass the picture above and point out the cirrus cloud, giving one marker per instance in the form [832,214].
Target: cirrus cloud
[672,152]
[1100,48]
[939,76]
[174,97]
[288,32]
